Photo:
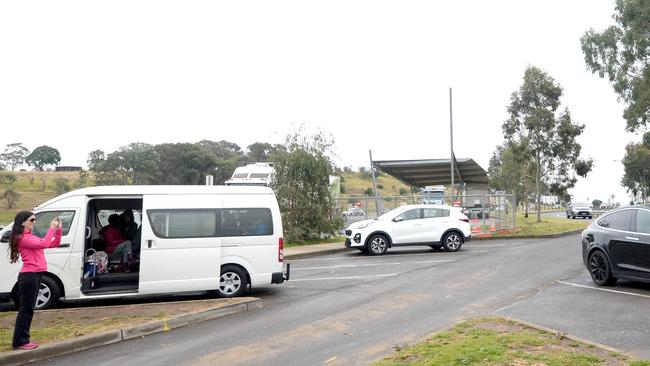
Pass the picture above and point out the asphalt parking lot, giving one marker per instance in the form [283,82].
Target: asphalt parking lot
[349,308]
[616,316]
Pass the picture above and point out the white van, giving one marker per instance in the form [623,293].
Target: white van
[191,238]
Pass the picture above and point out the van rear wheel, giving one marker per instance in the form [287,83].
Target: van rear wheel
[233,281]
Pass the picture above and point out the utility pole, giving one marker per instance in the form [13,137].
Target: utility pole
[374,186]
[451,138]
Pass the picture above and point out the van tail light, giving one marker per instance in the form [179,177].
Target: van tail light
[280,250]
[465,219]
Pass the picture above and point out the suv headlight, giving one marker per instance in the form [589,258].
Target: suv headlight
[365,225]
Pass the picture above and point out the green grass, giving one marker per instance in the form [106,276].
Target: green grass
[495,341]
[550,225]
[336,239]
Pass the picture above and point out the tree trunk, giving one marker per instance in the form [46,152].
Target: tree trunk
[525,197]
[537,194]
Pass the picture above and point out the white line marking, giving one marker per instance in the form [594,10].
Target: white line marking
[348,266]
[604,289]
[385,256]
[425,262]
[371,265]
[485,245]
[343,278]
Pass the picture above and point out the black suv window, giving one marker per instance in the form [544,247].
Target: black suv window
[621,220]
[643,221]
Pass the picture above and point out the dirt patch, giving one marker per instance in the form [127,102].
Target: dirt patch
[59,324]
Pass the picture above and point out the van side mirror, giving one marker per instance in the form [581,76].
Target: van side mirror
[5,236]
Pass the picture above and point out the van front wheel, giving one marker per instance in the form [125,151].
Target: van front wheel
[233,281]
[48,294]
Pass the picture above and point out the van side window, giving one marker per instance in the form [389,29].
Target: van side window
[183,223]
[201,223]
[246,222]
[43,219]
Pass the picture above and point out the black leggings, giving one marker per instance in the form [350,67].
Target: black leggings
[28,286]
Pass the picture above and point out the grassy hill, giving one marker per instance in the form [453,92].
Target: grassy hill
[356,184]
[34,188]
[37,187]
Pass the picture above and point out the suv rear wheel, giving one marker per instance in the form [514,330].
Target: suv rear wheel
[452,241]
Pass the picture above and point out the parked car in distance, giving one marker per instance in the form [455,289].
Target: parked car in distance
[478,211]
[579,210]
[617,245]
[353,212]
[438,226]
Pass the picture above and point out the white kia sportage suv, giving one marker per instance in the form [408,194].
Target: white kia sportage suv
[433,225]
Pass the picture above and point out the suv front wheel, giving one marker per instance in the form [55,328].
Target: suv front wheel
[377,245]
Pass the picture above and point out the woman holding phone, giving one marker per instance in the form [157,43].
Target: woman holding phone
[30,247]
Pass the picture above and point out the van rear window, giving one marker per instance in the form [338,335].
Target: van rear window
[201,223]
[246,222]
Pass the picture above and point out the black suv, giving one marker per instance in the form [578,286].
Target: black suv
[617,245]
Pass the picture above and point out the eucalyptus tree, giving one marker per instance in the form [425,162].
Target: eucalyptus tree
[622,53]
[511,170]
[43,156]
[545,136]
[637,169]
[14,155]
[301,184]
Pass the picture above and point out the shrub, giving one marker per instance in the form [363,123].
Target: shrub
[7,178]
[61,185]
[11,197]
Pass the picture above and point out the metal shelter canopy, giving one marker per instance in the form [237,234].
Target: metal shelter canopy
[430,172]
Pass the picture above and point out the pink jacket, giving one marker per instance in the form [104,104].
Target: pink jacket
[112,237]
[31,248]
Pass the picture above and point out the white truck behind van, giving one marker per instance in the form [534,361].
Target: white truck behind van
[191,238]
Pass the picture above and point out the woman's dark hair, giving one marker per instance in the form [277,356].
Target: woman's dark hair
[128,213]
[17,231]
[114,219]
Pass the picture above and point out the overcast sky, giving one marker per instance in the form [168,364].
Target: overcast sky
[88,75]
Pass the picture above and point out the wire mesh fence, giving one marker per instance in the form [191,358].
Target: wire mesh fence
[487,213]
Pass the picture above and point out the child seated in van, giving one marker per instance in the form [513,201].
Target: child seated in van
[116,246]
